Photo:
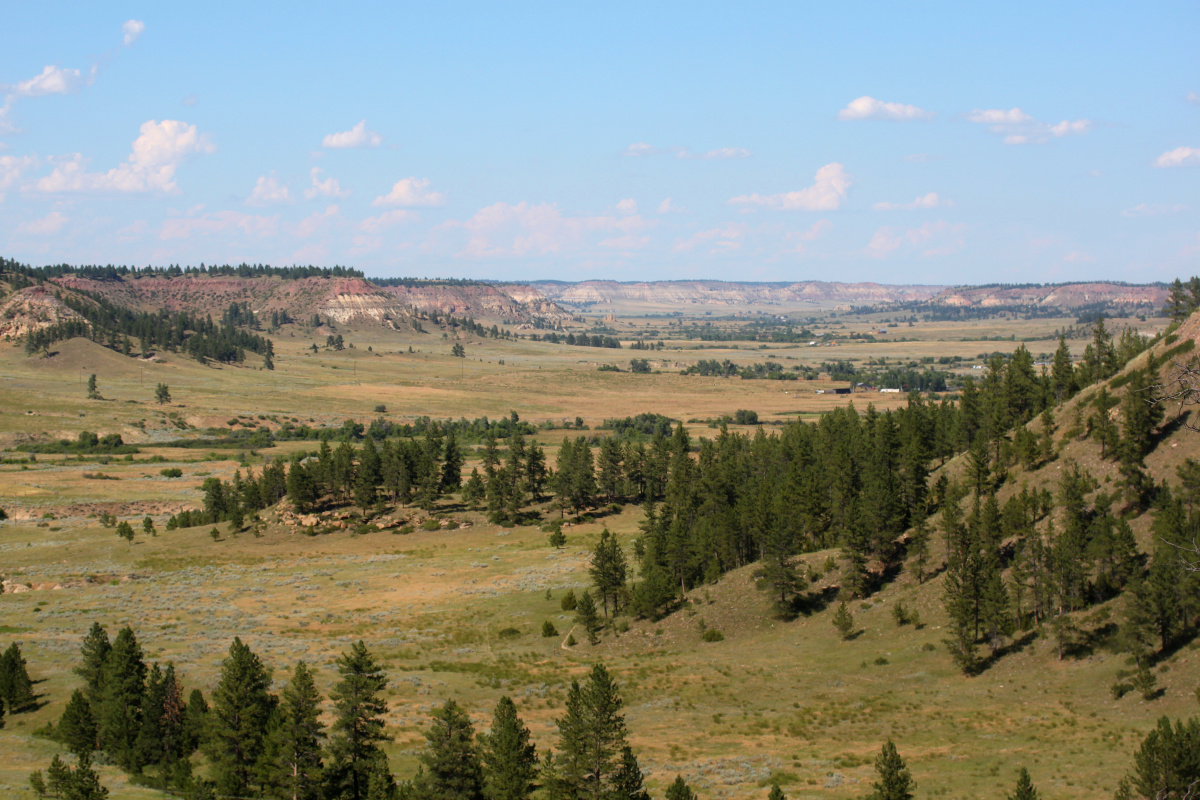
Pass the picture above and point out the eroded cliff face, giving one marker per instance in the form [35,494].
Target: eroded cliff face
[1065,296]
[731,293]
[31,309]
[344,300]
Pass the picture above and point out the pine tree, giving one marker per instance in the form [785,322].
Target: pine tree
[82,783]
[120,711]
[292,758]
[474,490]
[195,721]
[1024,790]
[843,620]
[776,793]
[452,463]
[94,650]
[628,781]
[450,758]
[76,726]
[895,782]
[301,488]
[15,685]
[92,392]
[679,790]
[58,776]
[162,394]
[587,616]
[358,726]
[591,742]
[508,758]
[237,720]
[608,570]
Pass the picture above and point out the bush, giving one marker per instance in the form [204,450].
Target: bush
[548,629]
[171,472]
[568,601]
[381,409]
[713,635]
[431,524]
[509,633]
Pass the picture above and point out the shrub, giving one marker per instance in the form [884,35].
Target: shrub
[509,633]
[171,472]
[431,524]
[713,635]
[568,601]
[548,629]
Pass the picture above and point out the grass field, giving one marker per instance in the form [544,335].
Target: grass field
[776,700]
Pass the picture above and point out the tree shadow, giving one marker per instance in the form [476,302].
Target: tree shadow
[1015,646]
[812,602]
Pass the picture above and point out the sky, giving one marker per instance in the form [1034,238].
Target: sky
[932,143]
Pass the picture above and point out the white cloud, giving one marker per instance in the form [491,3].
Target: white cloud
[411,192]
[814,232]
[50,224]
[11,168]
[387,219]
[358,136]
[627,206]
[1152,210]
[133,231]
[931,239]
[323,188]
[157,152]
[1193,98]
[1077,257]
[640,149]
[268,191]
[219,222]
[826,194]
[668,206]
[869,108]
[1017,127]
[629,242]
[720,240]
[315,222]
[132,30]
[52,80]
[1179,157]
[525,229]
[930,200]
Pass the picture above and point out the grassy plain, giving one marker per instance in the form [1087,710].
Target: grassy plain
[778,699]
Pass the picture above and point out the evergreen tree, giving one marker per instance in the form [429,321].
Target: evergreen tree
[292,758]
[94,651]
[591,742]
[195,721]
[16,688]
[450,758]
[452,463]
[1167,763]
[679,790]
[474,490]
[120,710]
[508,758]
[1024,790]
[608,570]
[301,489]
[776,793]
[58,776]
[628,781]
[76,726]
[586,615]
[237,721]
[92,392]
[843,620]
[358,725]
[82,782]
[162,394]
[895,782]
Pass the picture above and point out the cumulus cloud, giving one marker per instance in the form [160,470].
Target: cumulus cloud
[52,80]
[315,222]
[387,219]
[1017,127]
[627,206]
[46,226]
[1152,210]
[1179,157]
[931,239]
[219,223]
[269,191]
[525,229]
[323,188]
[867,107]
[132,30]
[930,200]
[411,192]
[721,239]
[826,194]
[358,136]
[814,232]
[11,168]
[157,152]
[668,206]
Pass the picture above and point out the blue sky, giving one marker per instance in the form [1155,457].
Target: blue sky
[900,143]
